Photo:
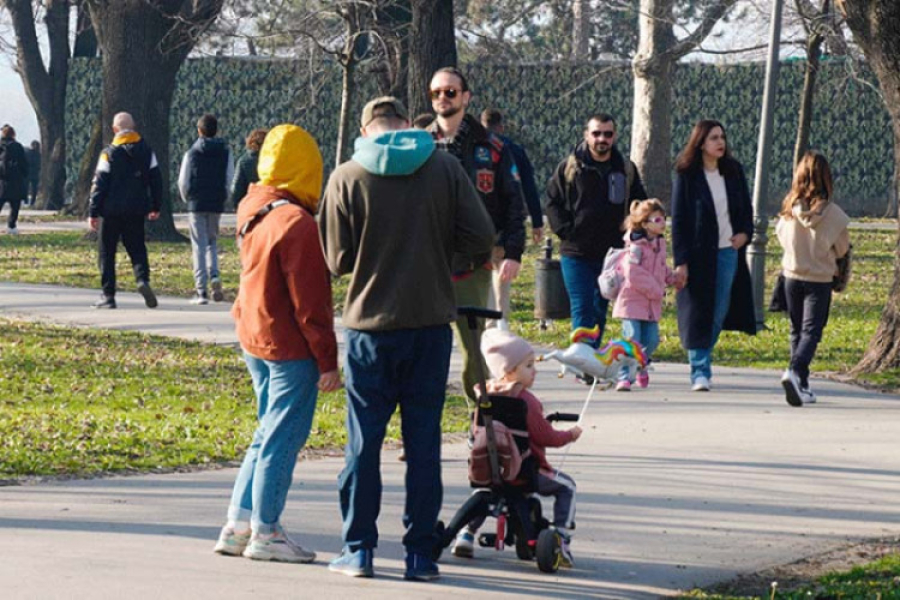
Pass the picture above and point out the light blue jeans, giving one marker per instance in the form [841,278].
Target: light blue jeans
[726,267]
[286,395]
[204,247]
[645,333]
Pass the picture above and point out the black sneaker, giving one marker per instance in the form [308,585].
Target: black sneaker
[585,379]
[146,291]
[105,302]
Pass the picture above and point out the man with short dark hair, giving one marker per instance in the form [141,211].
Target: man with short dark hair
[394,217]
[206,173]
[587,201]
[127,188]
[13,176]
[491,167]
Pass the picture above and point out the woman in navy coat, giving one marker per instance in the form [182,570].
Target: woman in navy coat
[712,221]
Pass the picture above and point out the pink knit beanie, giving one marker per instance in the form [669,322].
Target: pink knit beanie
[503,351]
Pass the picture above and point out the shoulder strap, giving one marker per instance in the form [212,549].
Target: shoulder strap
[254,220]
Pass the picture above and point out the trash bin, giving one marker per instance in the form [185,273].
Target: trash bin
[550,298]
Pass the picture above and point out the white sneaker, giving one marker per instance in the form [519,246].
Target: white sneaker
[12,231]
[807,396]
[200,299]
[791,384]
[232,543]
[277,547]
[701,384]
[464,546]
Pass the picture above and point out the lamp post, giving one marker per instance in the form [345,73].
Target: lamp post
[757,251]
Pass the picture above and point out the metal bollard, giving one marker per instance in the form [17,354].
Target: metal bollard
[551,301]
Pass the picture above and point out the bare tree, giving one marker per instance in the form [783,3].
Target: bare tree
[876,28]
[658,51]
[821,26]
[432,45]
[45,85]
[581,29]
[144,43]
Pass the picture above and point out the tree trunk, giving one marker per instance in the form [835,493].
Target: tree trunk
[432,45]
[81,195]
[651,133]
[348,90]
[85,39]
[813,54]
[143,45]
[658,52]
[46,88]
[393,24]
[581,30]
[876,28]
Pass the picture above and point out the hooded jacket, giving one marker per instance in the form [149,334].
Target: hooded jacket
[393,217]
[645,277]
[812,242]
[284,309]
[206,172]
[587,201]
[128,182]
[244,174]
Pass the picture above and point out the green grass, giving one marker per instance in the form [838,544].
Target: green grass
[66,258]
[79,402]
[878,580]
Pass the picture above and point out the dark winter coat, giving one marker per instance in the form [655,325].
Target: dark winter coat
[587,203]
[13,170]
[491,167]
[128,182]
[34,164]
[526,176]
[205,175]
[244,174]
[695,242]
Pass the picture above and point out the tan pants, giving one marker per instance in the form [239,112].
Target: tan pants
[500,290]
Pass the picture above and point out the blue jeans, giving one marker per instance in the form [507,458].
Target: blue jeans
[384,369]
[645,333]
[286,396]
[588,307]
[204,247]
[726,267]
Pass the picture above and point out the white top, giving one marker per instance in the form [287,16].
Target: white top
[720,200]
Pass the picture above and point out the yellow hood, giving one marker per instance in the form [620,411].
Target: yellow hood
[290,160]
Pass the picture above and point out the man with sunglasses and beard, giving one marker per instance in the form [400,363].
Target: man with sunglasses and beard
[490,165]
[586,203]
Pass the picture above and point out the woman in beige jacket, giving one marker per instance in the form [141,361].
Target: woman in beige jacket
[813,232]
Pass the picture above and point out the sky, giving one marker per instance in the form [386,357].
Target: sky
[15,108]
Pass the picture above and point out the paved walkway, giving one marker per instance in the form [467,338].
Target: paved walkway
[675,490]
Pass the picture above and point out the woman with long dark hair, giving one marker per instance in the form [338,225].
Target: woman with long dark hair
[712,221]
[812,229]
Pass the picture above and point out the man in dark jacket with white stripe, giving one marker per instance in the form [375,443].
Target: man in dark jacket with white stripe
[127,187]
[206,172]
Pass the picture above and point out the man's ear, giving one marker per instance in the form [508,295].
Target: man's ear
[362,132]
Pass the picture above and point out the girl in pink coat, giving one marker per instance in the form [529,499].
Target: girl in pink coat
[645,276]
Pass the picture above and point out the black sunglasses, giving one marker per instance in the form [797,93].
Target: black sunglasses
[449,93]
[604,134]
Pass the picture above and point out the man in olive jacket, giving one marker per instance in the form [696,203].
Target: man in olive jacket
[393,218]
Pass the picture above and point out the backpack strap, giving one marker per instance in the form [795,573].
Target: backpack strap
[254,220]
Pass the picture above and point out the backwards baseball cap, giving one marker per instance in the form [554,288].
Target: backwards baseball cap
[385,106]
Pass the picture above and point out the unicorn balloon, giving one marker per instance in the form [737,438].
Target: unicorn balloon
[604,364]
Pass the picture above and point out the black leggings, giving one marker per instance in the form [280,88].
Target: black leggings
[808,305]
